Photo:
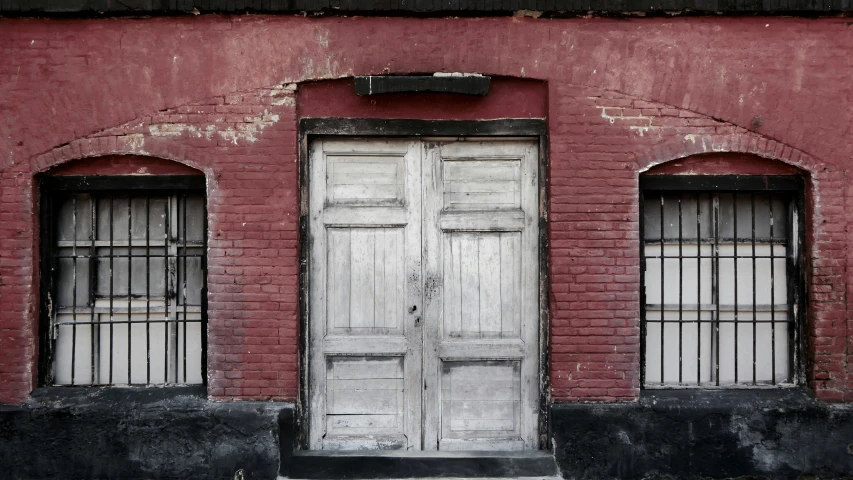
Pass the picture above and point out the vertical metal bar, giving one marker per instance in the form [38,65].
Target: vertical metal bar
[129,278]
[754,295]
[735,260]
[203,302]
[177,238]
[662,288]
[772,296]
[147,290]
[93,285]
[699,288]
[74,290]
[680,290]
[177,284]
[184,234]
[715,295]
[111,291]
[166,290]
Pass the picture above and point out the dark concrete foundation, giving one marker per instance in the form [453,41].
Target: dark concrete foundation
[152,433]
[168,433]
[774,434]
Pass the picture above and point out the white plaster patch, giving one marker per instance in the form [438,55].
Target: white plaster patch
[640,129]
[284,95]
[136,142]
[246,131]
[178,129]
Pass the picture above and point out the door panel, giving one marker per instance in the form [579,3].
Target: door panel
[481,279]
[481,342]
[365,348]
[365,280]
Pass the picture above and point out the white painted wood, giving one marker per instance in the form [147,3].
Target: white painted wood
[462,349]
[512,221]
[469,348]
[365,347]
[482,301]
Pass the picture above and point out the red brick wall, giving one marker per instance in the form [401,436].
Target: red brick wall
[217,93]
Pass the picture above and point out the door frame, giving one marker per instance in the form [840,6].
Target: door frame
[310,128]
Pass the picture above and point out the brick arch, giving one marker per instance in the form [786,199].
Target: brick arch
[744,143]
[122,165]
[136,144]
[724,163]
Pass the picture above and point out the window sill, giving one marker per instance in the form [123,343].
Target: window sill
[719,397]
[74,396]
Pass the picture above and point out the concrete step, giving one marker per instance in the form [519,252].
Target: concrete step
[389,465]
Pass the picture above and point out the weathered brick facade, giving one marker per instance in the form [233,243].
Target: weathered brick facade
[219,94]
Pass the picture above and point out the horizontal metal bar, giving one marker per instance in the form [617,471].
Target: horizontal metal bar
[722,241]
[119,256]
[120,322]
[136,243]
[121,309]
[742,308]
[710,256]
[714,322]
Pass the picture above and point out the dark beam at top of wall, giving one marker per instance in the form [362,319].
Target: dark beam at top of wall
[96,8]
[467,85]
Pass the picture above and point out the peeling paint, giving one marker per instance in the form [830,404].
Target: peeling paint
[284,95]
[247,131]
[640,129]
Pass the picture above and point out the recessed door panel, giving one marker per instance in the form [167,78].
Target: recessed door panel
[365,280]
[481,282]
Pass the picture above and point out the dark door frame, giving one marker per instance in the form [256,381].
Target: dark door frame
[310,128]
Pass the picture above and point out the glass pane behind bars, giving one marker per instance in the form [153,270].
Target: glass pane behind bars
[716,303]
[129,285]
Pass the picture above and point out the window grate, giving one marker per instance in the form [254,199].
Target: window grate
[127,288]
[719,288]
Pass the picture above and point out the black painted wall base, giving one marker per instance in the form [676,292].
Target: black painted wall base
[151,433]
[775,434]
[178,434]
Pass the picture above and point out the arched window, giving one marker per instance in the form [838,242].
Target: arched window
[722,289]
[123,280]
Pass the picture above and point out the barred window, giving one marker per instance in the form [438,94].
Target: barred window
[125,280]
[721,286]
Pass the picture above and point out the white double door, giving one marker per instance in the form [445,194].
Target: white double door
[424,294]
